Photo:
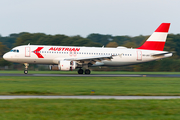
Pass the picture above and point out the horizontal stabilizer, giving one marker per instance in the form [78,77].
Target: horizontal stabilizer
[161,54]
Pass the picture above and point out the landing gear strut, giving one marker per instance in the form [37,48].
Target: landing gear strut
[26,68]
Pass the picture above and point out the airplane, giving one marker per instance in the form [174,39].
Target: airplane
[68,58]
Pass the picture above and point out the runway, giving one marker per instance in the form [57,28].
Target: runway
[93,75]
[91,97]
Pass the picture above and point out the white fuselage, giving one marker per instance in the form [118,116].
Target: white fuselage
[70,57]
[41,54]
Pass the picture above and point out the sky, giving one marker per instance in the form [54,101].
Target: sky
[83,17]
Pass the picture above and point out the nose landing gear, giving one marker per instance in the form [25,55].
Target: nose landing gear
[26,68]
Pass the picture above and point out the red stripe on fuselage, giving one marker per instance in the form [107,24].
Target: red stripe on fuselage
[37,52]
[153,45]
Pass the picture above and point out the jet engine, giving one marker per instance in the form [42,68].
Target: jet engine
[67,65]
[64,65]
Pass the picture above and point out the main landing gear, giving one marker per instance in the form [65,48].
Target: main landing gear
[81,71]
[26,68]
[87,71]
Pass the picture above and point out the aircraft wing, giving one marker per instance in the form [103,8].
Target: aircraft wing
[92,59]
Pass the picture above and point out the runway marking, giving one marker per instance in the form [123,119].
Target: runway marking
[93,75]
[74,75]
[90,97]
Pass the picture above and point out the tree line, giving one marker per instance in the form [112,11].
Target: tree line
[96,40]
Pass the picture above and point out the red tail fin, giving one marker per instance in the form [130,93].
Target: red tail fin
[157,40]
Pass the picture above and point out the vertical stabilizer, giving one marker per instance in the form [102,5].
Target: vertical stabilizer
[157,40]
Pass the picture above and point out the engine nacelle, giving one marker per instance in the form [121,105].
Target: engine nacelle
[67,65]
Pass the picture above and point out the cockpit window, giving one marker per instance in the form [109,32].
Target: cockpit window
[14,50]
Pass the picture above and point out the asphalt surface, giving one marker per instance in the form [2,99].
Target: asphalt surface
[94,75]
[90,97]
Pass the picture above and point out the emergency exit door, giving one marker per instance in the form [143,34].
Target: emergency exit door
[27,52]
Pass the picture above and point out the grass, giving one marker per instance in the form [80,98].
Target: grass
[68,109]
[79,109]
[84,85]
[92,72]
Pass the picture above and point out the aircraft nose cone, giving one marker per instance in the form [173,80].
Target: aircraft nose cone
[6,56]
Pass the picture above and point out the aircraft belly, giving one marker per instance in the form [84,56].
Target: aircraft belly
[109,63]
[38,61]
[120,61]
